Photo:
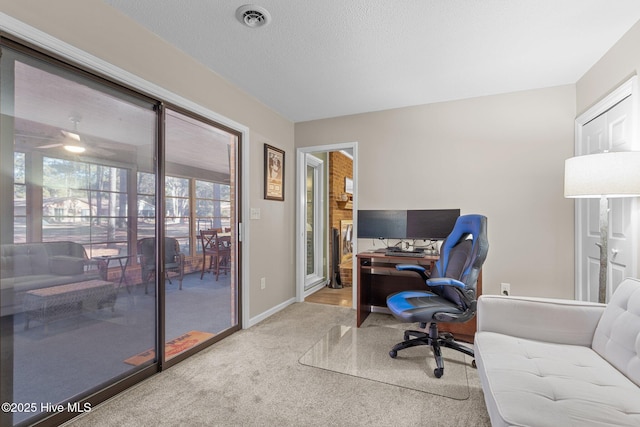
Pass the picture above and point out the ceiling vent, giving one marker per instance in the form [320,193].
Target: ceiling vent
[253,16]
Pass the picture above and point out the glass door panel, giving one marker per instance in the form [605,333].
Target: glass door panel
[310,215]
[74,314]
[315,224]
[201,280]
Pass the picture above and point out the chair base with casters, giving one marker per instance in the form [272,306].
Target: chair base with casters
[450,296]
[434,339]
[411,306]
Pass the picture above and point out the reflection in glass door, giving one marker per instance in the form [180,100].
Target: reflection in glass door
[200,253]
[73,313]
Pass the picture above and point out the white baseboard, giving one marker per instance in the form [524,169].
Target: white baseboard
[259,318]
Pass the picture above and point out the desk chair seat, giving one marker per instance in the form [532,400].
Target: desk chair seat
[413,306]
[451,293]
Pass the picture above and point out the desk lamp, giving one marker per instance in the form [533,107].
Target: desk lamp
[604,175]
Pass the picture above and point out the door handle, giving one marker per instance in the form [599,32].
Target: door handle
[614,251]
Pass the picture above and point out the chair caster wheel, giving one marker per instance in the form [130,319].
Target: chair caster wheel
[438,372]
[473,364]
[393,354]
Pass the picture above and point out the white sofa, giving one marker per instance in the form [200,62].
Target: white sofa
[545,362]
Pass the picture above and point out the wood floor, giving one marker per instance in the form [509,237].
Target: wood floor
[342,297]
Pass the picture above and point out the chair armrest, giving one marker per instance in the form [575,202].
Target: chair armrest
[416,268]
[542,319]
[411,267]
[446,281]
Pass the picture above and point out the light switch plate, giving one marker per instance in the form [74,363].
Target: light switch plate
[255,213]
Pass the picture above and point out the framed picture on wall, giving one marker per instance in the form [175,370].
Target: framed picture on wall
[348,185]
[346,238]
[273,173]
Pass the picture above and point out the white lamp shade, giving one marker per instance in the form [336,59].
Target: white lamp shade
[615,174]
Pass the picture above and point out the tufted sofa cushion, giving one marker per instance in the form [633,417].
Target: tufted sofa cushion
[533,383]
[617,337]
[554,363]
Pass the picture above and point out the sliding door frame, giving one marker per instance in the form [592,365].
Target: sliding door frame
[24,35]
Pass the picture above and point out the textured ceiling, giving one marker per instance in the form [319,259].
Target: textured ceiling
[326,58]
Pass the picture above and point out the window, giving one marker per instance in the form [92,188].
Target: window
[213,201]
[146,205]
[86,203]
[19,199]
[177,208]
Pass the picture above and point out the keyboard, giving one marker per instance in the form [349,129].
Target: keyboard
[411,254]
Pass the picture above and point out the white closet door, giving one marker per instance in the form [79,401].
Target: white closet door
[610,131]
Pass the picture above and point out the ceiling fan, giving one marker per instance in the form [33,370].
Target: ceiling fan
[74,143]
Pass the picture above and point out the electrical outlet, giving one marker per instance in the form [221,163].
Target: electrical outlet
[263,282]
[505,288]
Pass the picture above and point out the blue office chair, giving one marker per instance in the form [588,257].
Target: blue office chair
[451,296]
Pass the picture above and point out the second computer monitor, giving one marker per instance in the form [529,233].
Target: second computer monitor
[431,224]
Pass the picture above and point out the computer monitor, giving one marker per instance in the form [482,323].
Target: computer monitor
[431,224]
[382,224]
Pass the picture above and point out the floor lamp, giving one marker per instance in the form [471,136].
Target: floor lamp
[603,176]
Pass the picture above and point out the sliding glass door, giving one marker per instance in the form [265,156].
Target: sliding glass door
[71,316]
[105,194]
[200,231]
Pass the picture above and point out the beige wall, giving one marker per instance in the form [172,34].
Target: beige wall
[620,63]
[98,29]
[501,156]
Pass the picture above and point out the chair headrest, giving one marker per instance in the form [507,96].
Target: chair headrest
[474,226]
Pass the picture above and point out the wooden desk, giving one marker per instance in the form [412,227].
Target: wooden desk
[378,278]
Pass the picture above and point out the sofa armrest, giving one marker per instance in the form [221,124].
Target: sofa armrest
[541,319]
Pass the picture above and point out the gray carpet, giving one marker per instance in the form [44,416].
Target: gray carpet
[253,378]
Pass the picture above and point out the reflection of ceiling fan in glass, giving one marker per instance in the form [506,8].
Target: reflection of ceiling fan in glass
[72,142]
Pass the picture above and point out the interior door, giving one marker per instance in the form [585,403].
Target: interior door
[610,131]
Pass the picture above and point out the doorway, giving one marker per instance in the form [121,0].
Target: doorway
[333,250]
